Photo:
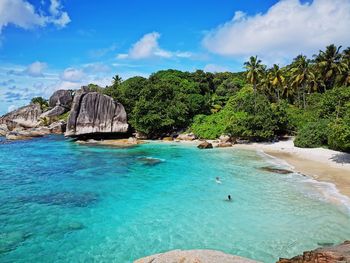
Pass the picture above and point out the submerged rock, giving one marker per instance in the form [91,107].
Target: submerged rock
[150,161]
[27,116]
[332,254]
[95,113]
[194,256]
[63,98]
[11,240]
[205,145]
[276,170]
[68,199]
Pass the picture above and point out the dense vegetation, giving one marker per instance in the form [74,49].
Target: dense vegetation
[309,98]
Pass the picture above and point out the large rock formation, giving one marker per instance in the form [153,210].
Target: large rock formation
[194,256]
[54,112]
[334,254]
[27,117]
[63,98]
[95,113]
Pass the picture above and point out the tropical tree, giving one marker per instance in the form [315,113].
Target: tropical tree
[329,64]
[277,80]
[302,75]
[254,71]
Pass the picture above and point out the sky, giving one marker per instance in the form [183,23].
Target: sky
[46,45]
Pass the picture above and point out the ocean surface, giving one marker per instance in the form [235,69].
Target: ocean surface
[64,202]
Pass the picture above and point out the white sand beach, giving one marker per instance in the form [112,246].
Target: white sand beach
[322,164]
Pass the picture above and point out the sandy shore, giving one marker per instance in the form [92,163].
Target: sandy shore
[319,163]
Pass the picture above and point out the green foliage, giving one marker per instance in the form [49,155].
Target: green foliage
[313,134]
[41,102]
[211,126]
[302,98]
[339,135]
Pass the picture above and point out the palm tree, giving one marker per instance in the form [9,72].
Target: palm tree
[344,77]
[254,71]
[301,75]
[329,64]
[265,84]
[277,80]
[117,80]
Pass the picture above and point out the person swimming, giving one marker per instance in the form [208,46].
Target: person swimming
[229,198]
[217,179]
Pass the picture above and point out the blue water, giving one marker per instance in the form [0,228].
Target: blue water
[64,202]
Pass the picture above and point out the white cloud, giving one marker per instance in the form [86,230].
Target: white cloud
[72,75]
[148,46]
[285,30]
[36,69]
[23,14]
[215,68]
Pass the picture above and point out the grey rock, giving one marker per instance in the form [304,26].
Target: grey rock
[54,112]
[194,256]
[205,145]
[3,129]
[186,137]
[224,144]
[27,134]
[58,127]
[225,138]
[93,112]
[62,98]
[27,116]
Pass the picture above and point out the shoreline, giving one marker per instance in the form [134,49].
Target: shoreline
[321,164]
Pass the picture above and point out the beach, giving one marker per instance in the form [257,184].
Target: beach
[320,163]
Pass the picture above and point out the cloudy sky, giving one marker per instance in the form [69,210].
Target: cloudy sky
[47,45]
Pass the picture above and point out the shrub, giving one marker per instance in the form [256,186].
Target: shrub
[312,135]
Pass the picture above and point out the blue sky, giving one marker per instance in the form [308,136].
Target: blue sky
[47,45]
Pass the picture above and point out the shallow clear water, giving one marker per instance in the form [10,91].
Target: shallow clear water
[63,202]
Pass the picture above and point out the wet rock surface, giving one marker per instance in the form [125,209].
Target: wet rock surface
[331,254]
[205,145]
[276,170]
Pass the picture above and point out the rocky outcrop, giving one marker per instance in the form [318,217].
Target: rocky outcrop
[3,129]
[63,98]
[58,127]
[27,116]
[27,134]
[186,137]
[224,144]
[54,112]
[194,256]
[205,145]
[95,113]
[334,254]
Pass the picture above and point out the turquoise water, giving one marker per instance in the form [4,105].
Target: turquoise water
[63,202]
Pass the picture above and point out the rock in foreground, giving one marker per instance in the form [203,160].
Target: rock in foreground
[205,145]
[334,254]
[194,256]
[95,113]
[27,116]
